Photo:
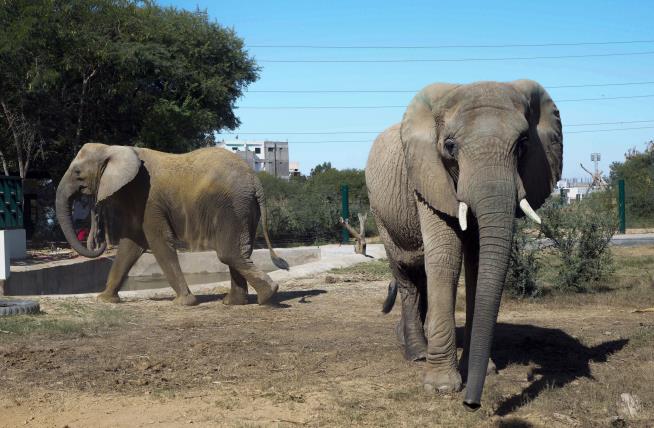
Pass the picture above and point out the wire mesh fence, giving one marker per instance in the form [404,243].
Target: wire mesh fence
[303,216]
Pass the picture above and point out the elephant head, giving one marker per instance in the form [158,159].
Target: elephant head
[489,147]
[99,171]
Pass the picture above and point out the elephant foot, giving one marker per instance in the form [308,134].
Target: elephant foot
[235,299]
[442,381]
[108,297]
[265,296]
[413,350]
[186,300]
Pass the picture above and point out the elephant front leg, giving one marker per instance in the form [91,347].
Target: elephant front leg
[443,265]
[128,253]
[159,238]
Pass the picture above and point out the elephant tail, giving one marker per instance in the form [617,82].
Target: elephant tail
[277,261]
[390,297]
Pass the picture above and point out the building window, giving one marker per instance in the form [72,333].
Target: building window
[270,149]
[234,148]
[257,150]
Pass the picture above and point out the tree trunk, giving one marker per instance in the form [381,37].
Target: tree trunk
[80,111]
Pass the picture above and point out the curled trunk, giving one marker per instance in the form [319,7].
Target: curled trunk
[494,206]
[63,207]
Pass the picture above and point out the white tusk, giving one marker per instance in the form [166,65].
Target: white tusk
[463,215]
[529,211]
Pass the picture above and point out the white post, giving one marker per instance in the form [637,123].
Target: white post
[12,247]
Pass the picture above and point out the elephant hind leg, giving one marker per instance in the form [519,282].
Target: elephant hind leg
[258,279]
[238,293]
[409,331]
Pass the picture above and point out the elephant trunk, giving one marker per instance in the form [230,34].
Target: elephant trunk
[494,202]
[65,192]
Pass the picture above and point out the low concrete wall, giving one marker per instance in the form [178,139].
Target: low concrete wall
[62,277]
[207,261]
[82,275]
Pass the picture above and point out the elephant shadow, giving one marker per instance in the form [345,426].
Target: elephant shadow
[278,300]
[556,357]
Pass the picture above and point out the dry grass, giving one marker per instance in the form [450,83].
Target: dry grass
[325,357]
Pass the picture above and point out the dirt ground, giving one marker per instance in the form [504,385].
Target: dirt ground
[326,356]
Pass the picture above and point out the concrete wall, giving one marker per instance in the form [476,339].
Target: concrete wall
[89,275]
[207,261]
[62,277]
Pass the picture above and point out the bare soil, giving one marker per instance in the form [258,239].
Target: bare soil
[325,356]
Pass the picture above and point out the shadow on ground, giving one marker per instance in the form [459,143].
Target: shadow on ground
[278,300]
[557,357]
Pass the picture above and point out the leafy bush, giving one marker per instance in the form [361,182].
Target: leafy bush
[637,171]
[524,264]
[307,209]
[580,234]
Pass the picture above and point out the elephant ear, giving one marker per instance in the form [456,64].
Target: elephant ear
[121,166]
[419,135]
[540,166]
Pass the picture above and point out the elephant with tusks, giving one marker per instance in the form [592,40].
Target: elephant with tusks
[445,185]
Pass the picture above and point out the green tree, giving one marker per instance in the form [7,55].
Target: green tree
[637,171]
[113,71]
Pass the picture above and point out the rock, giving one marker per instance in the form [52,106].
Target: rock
[629,405]
[330,280]
[617,422]
[530,374]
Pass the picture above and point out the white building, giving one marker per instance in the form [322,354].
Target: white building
[294,169]
[269,156]
[575,189]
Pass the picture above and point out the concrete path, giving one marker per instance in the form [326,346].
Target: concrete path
[632,239]
[331,257]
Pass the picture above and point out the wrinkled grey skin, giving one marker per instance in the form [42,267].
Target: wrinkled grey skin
[487,144]
[146,199]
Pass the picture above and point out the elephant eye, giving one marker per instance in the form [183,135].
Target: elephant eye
[451,148]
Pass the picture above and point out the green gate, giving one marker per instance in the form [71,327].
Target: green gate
[11,203]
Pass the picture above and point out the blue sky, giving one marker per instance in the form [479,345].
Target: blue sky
[429,23]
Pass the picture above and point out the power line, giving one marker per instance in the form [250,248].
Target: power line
[610,130]
[370,141]
[594,85]
[376,132]
[458,46]
[609,123]
[404,106]
[606,98]
[515,58]
[384,91]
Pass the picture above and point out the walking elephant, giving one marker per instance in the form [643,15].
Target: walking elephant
[145,199]
[474,152]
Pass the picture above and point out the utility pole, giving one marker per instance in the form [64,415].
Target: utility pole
[595,158]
